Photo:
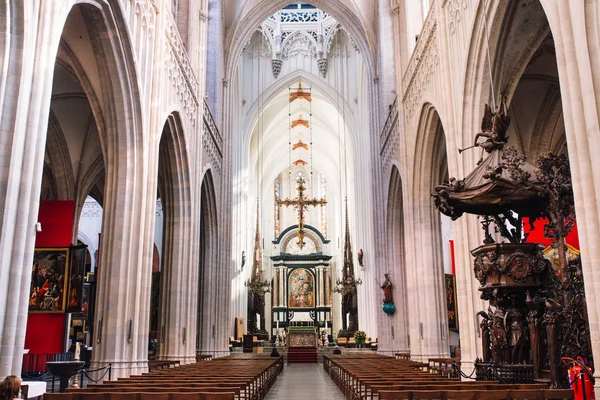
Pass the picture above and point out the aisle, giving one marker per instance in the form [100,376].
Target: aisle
[304,381]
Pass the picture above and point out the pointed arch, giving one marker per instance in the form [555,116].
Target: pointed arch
[431,167]
[397,258]
[208,281]
[175,301]
[242,31]
[126,246]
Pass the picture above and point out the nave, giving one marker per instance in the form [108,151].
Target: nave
[304,381]
[358,375]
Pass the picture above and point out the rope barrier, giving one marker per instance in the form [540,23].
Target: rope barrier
[460,371]
[37,378]
[491,369]
[84,372]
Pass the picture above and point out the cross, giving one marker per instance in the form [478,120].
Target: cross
[300,204]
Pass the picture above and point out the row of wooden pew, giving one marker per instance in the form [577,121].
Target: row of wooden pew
[155,365]
[228,378]
[365,376]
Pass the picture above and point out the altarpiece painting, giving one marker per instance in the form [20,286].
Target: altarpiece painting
[301,284]
[48,272]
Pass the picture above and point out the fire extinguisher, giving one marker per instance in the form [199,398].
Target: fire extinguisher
[581,378]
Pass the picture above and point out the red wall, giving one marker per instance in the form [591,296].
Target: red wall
[56,218]
[537,234]
[45,331]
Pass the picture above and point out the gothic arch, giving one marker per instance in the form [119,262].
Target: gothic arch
[59,161]
[431,168]
[270,93]
[124,202]
[177,292]
[209,277]
[430,147]
[299,33]
[242,31]
[509,63]
[397,259]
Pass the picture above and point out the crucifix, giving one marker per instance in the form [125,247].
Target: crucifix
[300,204]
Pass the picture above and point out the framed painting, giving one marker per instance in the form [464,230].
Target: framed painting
[301,289]
[451,302]
[77,272]
[47,291]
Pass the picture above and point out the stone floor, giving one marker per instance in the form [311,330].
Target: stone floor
[302,382]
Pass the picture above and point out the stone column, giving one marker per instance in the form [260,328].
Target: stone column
[322,286]
[327,286]
[317,287]
[575,34]
[282,286]
[29,48]
[275,287]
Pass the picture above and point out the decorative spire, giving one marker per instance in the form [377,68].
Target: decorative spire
[257,260]
[348,281]
[348,262]
[256,284]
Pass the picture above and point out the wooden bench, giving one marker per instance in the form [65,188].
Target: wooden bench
[140,396]
[237,378]
[506,394]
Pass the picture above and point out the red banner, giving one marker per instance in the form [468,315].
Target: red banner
[537,234]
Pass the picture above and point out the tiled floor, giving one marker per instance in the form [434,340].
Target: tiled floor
[302,382]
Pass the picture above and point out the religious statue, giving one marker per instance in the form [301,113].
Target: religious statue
[494,126]
[360,257]
[514,322]
[485,334]
[388,298]
[243,259]
[498,336]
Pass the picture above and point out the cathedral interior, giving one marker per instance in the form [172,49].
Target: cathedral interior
[190,185]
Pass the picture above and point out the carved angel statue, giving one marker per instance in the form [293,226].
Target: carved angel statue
[494,126]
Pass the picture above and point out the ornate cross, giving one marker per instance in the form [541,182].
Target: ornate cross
[300,204]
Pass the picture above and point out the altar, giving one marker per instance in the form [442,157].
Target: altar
[302,336]
[301,286]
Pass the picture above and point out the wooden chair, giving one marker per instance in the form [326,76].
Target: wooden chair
[342,341]
[552,394]
[24,391]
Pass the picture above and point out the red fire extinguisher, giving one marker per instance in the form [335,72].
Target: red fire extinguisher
[581,378]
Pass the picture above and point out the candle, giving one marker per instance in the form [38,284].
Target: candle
[277,325]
